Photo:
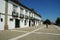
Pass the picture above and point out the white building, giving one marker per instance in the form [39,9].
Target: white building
[18,15]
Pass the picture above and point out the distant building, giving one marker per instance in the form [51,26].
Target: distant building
[16,15]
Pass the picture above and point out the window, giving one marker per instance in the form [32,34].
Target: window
[1,19]
[21,20]
[21,10]
[29,13]
[14,6]
[25,22]
[26,16]
[26,11]
[11,19]
[14,14]
[21,16]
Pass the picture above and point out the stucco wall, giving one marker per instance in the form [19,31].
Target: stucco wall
[2,6]
[22,23]
[10,8]
[11,24]
[2,23]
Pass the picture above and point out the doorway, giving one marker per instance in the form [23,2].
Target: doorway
[29,23]
[17,23]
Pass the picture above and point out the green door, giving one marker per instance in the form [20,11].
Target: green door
[17,23]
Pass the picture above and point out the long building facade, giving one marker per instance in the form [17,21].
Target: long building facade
[13,15]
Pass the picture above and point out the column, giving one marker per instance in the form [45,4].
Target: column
[6,15]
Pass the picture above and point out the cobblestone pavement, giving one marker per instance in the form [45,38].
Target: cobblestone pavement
[32,33]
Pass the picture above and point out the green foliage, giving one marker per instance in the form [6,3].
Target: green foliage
[57,21]
[47,21]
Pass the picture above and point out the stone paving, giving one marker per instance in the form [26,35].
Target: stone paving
[5,35]
[50,33]
[50,29]
[40,37]
[28,29]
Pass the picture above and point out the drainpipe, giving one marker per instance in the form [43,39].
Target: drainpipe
[6,15]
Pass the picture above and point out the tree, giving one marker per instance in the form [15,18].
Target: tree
[57,21]
[47,21]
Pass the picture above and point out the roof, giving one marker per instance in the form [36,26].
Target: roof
[37,14]
[17,2]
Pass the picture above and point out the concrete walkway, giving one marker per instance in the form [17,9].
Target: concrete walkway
[20,36]
[32,33]
[50,33]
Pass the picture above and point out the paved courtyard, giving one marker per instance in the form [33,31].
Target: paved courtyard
[32,33]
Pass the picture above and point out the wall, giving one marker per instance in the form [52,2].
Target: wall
[22,23]
[11,24]
[10,8]
[2,6]
[2,10]
[2,23]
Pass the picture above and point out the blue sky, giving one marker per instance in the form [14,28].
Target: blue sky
[48,9]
